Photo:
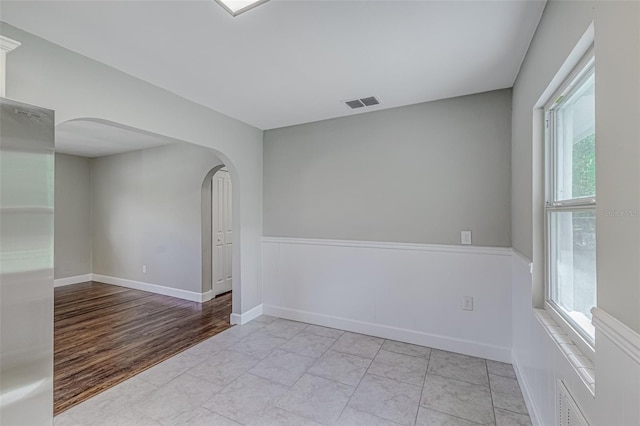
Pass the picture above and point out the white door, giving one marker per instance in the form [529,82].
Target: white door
[222,232]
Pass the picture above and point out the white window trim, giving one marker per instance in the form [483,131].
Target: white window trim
[574,78]
[571,80]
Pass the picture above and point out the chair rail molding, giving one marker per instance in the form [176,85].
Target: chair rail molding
[496,251]
[622,336]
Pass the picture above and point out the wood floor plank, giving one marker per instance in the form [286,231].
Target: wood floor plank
[105,334]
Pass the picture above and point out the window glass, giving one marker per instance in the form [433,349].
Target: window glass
[573,264]
[571,201]
[575,138]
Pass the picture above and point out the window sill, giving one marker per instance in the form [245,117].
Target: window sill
[569,330]
[581,363]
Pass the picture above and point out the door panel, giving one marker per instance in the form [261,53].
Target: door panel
[219,273]
[222,232]
[228,238]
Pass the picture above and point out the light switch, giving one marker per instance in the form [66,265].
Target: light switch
[465,237]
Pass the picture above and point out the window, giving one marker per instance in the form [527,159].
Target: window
[571,200]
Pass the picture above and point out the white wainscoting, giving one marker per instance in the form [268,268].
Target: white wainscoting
[617,371]
[537,359]
[407,292]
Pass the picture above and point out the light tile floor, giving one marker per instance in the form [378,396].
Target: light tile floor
[273,372]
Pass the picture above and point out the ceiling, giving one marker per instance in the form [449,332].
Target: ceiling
[288,62]
[96,139]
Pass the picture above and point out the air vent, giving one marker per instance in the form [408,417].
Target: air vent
[371,100]
[568,412]
[359,103]
[354,104]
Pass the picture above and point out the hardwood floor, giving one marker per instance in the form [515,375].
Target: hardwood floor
[104,334]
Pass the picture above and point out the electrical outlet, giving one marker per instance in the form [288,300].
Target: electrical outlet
[465,237]
[467,303]
[144,269]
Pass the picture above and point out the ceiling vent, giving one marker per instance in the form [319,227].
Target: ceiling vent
[371,100]
[354,104]
[364,102]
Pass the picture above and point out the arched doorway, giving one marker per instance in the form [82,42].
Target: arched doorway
[147,203]
[205,286]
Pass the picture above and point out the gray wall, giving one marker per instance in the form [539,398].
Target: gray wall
[554,41]
[73,229]
[418,174]
[617,49]
[617,41]
[147,211]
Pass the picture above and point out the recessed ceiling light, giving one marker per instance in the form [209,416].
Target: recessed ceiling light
[236,7]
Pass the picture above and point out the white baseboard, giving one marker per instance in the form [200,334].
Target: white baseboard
[153,288]
[207,295]
[247,316]
[387,332]
[526,393]
[138,285]
[72,280]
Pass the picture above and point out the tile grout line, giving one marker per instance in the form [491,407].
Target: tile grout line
[260,377]
[493,407]
[463,381]
[306,371]
[514,412]
[289,387]
[366,371]
[459,380]
[362,378]
[325,351]
[500,408]
[218,392]
[227,348]
[211,411]
[457,417]
[316,359]
[424,382]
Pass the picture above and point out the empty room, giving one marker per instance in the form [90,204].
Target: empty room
[315,212]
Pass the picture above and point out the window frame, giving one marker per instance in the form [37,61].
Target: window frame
[579,74]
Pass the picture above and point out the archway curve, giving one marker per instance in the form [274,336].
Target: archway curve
[226,162]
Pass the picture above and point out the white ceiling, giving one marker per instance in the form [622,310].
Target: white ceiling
[288,62]
[95,139]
